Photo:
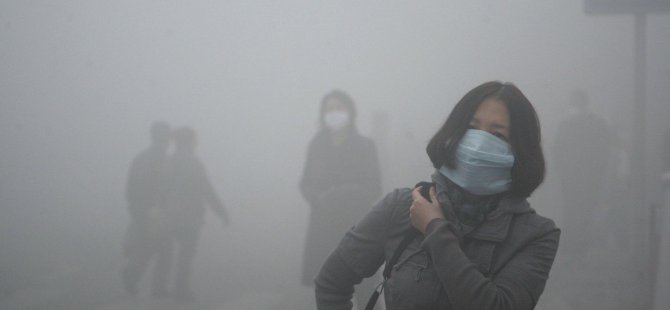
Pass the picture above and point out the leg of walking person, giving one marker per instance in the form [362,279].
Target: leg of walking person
[187,246]
[163,266]
[138,255]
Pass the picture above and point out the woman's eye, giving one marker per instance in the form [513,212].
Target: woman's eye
[499,135]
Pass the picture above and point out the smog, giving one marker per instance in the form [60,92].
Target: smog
[98,98]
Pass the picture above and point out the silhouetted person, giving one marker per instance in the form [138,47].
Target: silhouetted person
[340,181]
[145,194]
[189,191]
[666,155]
[662,270]
[582,153]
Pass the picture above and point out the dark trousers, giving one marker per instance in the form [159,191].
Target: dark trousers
[140,247]
[186,241]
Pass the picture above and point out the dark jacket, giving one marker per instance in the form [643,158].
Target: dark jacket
[340,183]
[503,263]
[189,191]
[146,183]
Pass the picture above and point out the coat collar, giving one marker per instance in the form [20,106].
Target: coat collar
[496,226]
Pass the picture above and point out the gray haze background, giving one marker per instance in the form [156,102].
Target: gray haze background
[80,82]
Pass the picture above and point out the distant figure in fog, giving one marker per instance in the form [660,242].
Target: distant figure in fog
[146,197]
[582,155]
[666,155]
[340,181]
[188,191]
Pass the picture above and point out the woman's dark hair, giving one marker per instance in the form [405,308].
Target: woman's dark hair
[345,99]
[525,139]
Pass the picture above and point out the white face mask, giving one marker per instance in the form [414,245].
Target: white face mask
[336,120]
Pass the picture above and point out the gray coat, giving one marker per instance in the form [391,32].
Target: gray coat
[502,264]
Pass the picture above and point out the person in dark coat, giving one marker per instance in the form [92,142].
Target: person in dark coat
[665,156]
[477,243]
[340,181]
[145,195]
[189,191]
[582,154]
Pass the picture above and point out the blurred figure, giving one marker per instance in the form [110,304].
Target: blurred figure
[340,181]
[582,154]
[145,194]
[189,190]
[666,155]
[662,258]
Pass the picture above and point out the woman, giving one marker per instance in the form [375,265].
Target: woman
[479,245]
[340,180]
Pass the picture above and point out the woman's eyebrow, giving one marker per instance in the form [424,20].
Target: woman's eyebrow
[475,120]
[499,126]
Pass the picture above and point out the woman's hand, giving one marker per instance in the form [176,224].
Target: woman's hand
[422,211]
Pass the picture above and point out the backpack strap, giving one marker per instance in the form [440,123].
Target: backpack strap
[409,236]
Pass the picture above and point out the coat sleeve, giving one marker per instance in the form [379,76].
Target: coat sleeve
[359,255]
[309,183]
[517,286]
[209,193]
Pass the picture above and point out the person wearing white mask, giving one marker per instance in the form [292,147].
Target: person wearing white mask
[469,240]
[340,181]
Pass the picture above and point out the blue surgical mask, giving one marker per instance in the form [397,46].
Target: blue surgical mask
[483,164]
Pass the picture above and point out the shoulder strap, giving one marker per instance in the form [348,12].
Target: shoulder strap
[409,236]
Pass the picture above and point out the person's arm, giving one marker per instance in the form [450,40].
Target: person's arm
[216,204]
[211,197]
[359,255]
[334,286]
[517,286]
[309,183]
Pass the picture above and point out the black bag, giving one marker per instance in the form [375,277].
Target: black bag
[409,236]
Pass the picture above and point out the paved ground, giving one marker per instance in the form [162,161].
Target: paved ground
[595,282]
[605,277]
